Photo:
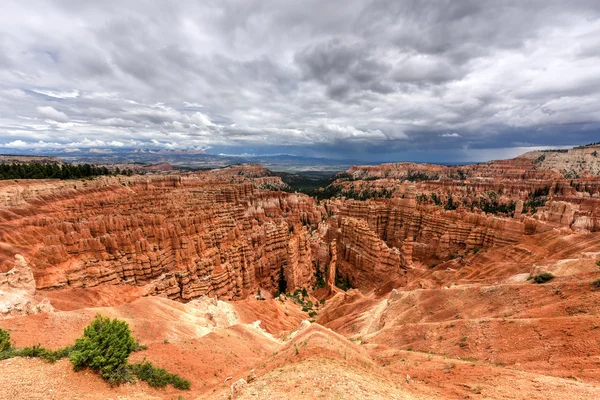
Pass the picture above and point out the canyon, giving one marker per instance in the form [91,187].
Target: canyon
[399,280]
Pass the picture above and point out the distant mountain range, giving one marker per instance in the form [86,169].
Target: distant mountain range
[197,159]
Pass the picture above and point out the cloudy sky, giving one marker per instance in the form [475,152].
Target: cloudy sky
[369,80]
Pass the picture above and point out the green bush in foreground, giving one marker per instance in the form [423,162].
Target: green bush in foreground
[104,347]
[158,377]
[543,277]
[4,340]
[40,352]
[7,351]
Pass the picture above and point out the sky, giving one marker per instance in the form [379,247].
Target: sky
[447,80]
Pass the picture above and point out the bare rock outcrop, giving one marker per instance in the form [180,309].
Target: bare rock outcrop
[363,257]
[575,162]
[17,290]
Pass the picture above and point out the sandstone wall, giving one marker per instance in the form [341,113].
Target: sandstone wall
[364,257]
[432,230]
[178,236]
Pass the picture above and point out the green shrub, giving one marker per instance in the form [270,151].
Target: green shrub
[343,282]
[4,340]
[36,351]
[4,355]
[64,352]
[158,377]
[596,284]
[139,346]
[40,352]
[123,373]
[105,347]
[543,277]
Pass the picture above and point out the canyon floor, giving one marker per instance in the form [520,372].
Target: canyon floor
[408,282]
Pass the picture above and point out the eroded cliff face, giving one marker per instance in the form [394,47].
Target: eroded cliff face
[576,162]
[432,230]
[364,258]
[177,236]
[222,233]
[523,167]
[573,163]
[423,215]
[17,290]
[378,241]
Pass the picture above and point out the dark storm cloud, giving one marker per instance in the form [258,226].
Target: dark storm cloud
[339,78]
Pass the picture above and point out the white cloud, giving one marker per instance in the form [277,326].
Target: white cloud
[387,74]
[52,114]
[16,144]
[192,105]
[20,144]
[58,94]
[350,132]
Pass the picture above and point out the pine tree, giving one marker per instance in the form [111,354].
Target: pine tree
[282,281]
[105,347]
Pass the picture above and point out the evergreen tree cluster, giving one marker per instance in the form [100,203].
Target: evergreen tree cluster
[320,276]
[337,191]
[587,145]
[492,206]
[488,204]
[343,281]
[414,176]
[53,171]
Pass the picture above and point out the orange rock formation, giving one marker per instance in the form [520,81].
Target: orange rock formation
[177,236]
[444,304]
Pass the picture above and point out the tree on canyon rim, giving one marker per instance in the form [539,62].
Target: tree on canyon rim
[282,282]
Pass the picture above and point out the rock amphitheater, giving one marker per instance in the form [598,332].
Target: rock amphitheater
[439,300]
